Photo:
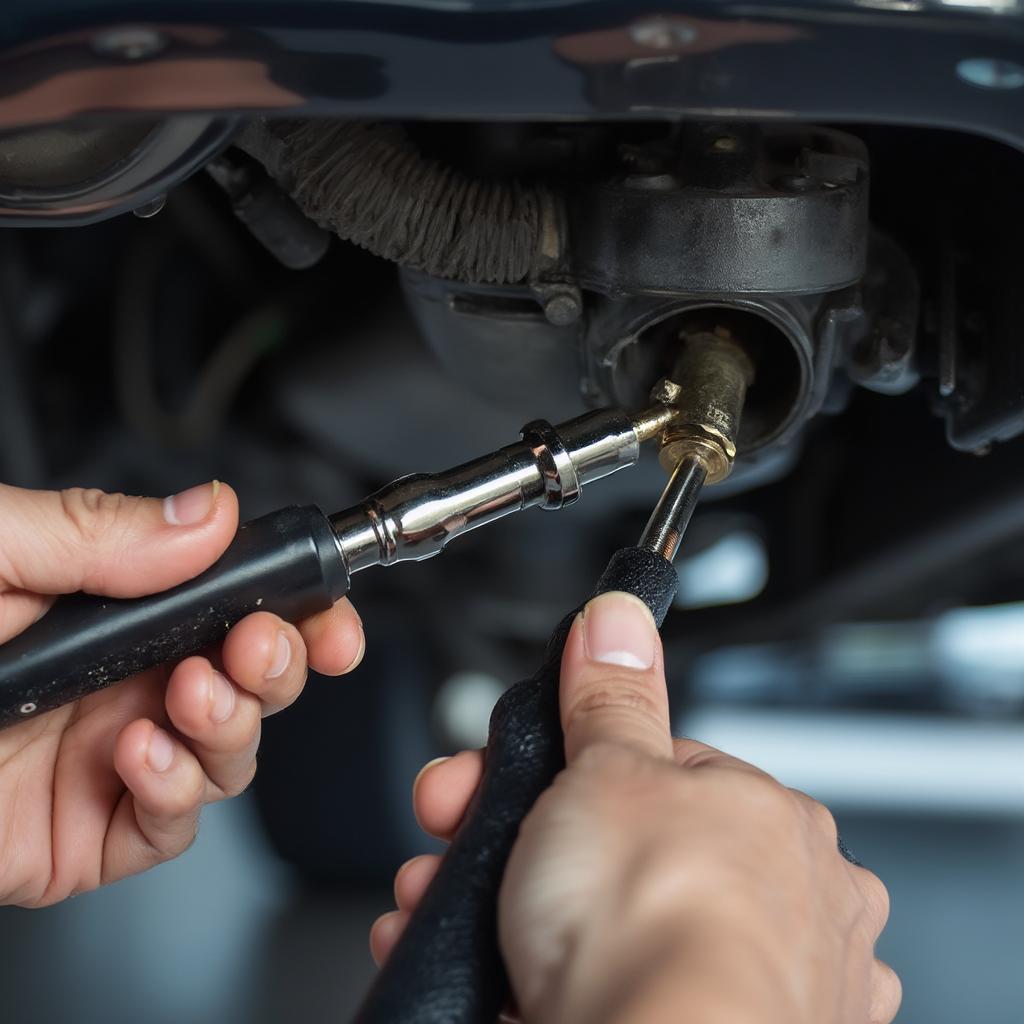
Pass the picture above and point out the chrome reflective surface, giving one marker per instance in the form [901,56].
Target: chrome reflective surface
[668,522]
[414,517]
[601,443]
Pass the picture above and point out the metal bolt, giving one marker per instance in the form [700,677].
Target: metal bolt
[662,33]
[129,42]
[562,309]
[990,73]
[150,208]
[27,708]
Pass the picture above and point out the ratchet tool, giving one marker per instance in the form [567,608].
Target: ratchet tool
[298,561]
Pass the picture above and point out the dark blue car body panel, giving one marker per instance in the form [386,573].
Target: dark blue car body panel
[956,65]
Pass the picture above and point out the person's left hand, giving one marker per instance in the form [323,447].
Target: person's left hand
[113,784]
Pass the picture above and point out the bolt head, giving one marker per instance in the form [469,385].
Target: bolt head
[562,309]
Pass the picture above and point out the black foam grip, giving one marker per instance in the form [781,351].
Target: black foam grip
[447,968]
[287,563]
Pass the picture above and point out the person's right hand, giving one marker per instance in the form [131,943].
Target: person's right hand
[661,880]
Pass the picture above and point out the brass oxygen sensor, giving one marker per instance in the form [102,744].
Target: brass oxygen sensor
[703,396]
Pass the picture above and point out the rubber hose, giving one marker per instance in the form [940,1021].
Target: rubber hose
[370,184]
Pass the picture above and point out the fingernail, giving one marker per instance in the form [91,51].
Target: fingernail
[222,698]
[160,751]
[282,655]
[359,654]
[618,629]
[426,768]
[191,506]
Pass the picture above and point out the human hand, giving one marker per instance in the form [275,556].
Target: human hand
[113,784]
[660,879]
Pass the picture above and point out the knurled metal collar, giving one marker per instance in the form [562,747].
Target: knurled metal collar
[561,484]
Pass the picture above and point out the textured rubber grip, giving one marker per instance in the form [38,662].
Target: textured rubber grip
[287,562]
[447,968]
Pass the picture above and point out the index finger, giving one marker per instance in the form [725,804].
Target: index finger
[613,679]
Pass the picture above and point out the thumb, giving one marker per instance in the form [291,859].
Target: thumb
[613,679]
[57,542]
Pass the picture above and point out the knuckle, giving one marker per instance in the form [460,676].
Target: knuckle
[92,513]
[617,695]
[821,818]
[96,519]
[887,994]
[697,755]
[185,801]
[825,821]
[179,843]
[767,805]
[183,842]
[158,845]
[876,897]
[776,801]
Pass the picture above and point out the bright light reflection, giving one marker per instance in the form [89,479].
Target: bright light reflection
[732,570]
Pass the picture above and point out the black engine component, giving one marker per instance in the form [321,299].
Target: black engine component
[574,291]
[760,229]
[721,210]
[271,215]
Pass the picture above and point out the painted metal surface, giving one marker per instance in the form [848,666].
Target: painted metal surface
[956,64]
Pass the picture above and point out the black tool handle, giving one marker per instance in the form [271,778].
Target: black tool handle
[447,968]
[287,562]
